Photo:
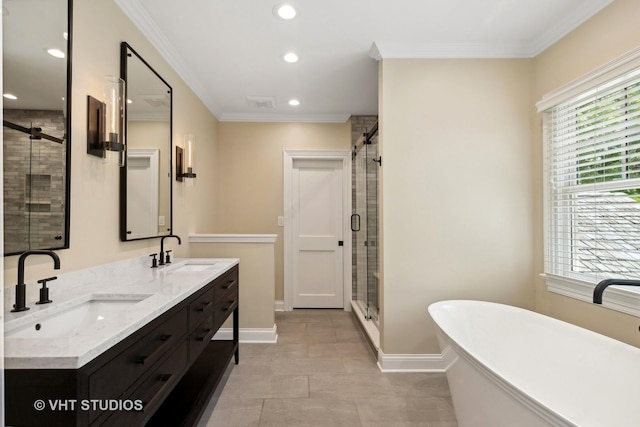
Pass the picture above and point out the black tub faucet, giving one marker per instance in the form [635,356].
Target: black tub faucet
[20,304]
[162,258]
[600,287]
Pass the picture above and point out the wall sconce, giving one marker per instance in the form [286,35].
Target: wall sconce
[105,121]
[185,159]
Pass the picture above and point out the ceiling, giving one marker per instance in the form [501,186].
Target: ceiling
[38,79]
[229,50]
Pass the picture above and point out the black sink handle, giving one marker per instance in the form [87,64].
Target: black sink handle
[600,287]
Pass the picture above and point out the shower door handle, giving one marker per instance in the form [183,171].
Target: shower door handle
[355,219]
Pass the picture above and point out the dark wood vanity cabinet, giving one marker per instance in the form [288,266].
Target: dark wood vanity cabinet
[163,374]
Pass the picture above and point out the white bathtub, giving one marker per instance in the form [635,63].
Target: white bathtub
[516,368]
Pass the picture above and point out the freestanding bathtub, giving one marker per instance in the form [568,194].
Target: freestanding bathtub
[515,368]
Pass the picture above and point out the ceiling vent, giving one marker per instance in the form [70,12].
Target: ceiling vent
[262,102]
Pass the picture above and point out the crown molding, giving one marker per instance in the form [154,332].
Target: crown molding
[555,32]
[284,118]
[374,52]
[390,50]
[141,19]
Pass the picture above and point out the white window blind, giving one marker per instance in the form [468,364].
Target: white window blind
[592,166]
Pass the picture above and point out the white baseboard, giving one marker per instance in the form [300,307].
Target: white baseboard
[279,305]
[415,362]
[250,335]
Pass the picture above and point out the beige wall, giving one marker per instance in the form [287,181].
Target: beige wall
[611,33]
[249,175]
[456,182]
[257,278]
[99,27]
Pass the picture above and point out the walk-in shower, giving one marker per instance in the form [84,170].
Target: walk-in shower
[35,180]
[364,224]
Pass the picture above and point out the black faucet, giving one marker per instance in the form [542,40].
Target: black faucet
[600,287]
[162,258]
[20,304]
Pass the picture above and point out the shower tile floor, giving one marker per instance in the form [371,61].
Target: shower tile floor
[323,373]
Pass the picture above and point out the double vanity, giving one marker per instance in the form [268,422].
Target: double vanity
[122,344]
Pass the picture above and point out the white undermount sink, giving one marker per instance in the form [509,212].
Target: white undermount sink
[84,316]
[192,266]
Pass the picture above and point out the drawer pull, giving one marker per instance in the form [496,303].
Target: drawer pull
[231,304]
[159,350]
[158,393]
[204,307]
[229,284]
[208,334]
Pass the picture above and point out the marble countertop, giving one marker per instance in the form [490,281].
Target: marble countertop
[151,292]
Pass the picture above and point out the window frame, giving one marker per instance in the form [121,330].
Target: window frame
[575,285]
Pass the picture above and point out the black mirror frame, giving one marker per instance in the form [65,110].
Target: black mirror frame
[125,48]
[67,207]
[67,184]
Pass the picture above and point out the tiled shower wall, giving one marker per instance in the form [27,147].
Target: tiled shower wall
[359,125]
[34,181]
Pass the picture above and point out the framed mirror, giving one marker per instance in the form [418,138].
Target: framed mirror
[36,123]
[145,180]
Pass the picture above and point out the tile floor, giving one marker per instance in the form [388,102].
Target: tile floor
[322,373]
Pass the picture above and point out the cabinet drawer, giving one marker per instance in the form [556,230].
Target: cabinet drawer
[226,284]
[200,337]
[224,308]
[200,308]
[116,376]
[154,389]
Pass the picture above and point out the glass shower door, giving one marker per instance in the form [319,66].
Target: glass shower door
[372,227]
[364,224]
[358,226]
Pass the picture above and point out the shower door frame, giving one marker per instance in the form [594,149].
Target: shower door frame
[362,300]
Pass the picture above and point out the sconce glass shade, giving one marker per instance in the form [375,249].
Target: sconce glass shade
[115,104]
[189,156]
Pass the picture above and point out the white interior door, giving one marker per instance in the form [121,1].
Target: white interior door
[317,233]
[142,193]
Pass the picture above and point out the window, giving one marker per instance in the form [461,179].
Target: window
[592,168]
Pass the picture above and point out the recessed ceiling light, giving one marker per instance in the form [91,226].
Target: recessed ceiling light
[294,102]
[56,53]
[291,57]
[285,11]
[10,96]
